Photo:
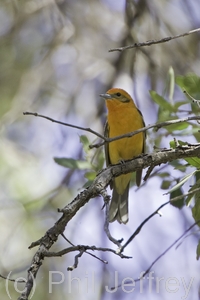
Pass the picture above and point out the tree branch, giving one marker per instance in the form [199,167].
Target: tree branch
[83,248]
[106,198]
[65,124]
[95,189]
[153,42]
[160,256]
[196,101]
[12,280]
[91,254]
[157,126]
[137,231]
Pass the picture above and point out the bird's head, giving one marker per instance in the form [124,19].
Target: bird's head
[117,95]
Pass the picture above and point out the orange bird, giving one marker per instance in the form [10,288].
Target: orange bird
[123,117]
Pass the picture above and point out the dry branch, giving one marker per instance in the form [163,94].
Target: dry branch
[160,256]
[157,126]
[95,189]
[154,42]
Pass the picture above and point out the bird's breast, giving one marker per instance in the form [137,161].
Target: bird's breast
[122,122]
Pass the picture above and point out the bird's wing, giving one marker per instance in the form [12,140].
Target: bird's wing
[106,134]
[144,133]
[139,173]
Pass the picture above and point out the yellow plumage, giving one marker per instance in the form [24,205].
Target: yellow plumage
[123,117]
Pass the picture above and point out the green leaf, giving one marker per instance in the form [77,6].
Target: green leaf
[164,174]
[177,126]
[177,165]
[180,103]
[73,163]
[172,144]
[195,186]
[165,184]
[192,161]
[196,208]
[188,199]
[190,83]
[90,175]
[171,83]
[177,203]
[100,160]
[197,176]
[84,140]
[182,143]
[181,182]
[161,101]
[179,142]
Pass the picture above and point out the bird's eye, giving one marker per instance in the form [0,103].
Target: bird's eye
[118,94]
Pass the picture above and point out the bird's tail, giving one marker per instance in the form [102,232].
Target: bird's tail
[119,206]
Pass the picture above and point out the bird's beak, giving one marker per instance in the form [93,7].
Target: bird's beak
[105,96]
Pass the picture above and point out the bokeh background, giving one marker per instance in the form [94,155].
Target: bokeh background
[54,60]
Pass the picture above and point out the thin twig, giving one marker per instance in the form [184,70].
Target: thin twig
[65,124]
[174,243]
[196,232]
[65,238]
[75,265]
[130,134]
[157,126]
[102,260]
[82,248]
[13,280]
[196,101]
[99,183]
[137,231]
[106,223]
[184,195]
[153,42]
[153,214]
[151,175]
[160,256]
